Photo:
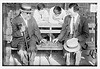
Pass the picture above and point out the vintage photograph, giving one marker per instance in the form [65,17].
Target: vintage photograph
[49,34]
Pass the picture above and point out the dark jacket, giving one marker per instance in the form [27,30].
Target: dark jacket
[33,30]
[82,32]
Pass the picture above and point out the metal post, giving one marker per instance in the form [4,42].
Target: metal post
[50,33]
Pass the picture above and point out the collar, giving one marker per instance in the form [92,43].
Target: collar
[22,17]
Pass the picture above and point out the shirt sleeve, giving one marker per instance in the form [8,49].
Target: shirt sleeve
[64,29]
[45,15]
[62,16]
[37,16]
[85,31]
[37,31]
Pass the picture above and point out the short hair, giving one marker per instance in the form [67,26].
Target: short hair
[75,6]
[40,6]
[57,8]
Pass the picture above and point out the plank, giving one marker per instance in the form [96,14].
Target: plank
[44,61]
[36,61]
[53,62]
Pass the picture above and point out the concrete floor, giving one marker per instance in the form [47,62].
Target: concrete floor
[43,58]
[57,58]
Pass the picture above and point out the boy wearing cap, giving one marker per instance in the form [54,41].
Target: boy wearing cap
[26,33]
[75,26]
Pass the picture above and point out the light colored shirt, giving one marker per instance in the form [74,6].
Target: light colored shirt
[41,16]
[24,20]
[57,19]
[73,21]
[26,25]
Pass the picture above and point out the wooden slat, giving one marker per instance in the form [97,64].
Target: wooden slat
[45,31]
[53,61]
[44,26]
[44,61]
[36,61]
[91,45]
[48,31]
[14,49]
[50,48]
[56,26]
[55,31]
[91,25]
[48,25]
[91,31]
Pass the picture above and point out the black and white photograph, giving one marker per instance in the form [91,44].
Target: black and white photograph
[49,34]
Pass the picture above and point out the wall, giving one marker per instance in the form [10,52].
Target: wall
[84,9]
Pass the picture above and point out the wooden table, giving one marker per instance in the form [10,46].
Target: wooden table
[50,28]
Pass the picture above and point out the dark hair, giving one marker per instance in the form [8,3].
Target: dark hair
[74,5]
[57,8]
[40,6]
